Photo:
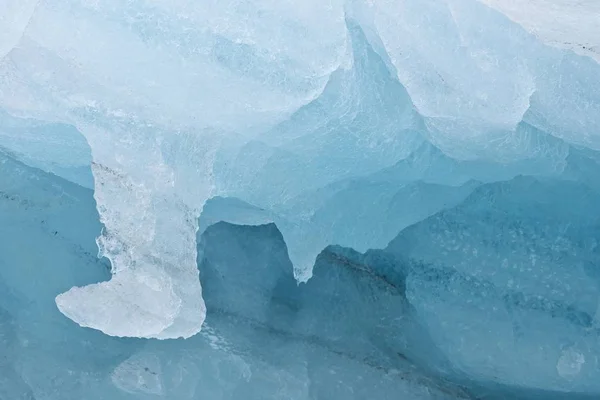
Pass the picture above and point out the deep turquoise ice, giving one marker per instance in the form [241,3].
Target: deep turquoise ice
[254,200]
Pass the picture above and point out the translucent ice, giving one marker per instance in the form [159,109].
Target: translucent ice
[562,23]
[521,259]
[263,338]
[249,146]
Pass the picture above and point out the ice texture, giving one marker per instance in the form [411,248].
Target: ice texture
[328,199]
[562,23]
[386,324]
[263,338]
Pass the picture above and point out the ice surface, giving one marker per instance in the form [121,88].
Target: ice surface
[412,320]
[153,132]
[252,145]
[56,148]
[521,259]
[257,343]
[571,24]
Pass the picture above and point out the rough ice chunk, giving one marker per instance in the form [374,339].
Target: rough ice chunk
[475,85]
[153,132]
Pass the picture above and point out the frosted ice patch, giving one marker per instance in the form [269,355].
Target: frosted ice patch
[14,17]
[570,24]
[139,373]
[570,363]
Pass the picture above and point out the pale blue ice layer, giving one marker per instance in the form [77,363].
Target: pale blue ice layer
[266,338]
[52,147]
[478,301]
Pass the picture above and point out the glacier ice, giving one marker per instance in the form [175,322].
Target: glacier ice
[361,328]
[262,340]
[546,19]
[343,199]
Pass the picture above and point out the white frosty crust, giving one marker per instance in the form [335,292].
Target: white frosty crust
[568,24]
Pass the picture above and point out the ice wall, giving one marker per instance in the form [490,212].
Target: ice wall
[343,122]
[151,97]
[412,320]
[256,343]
